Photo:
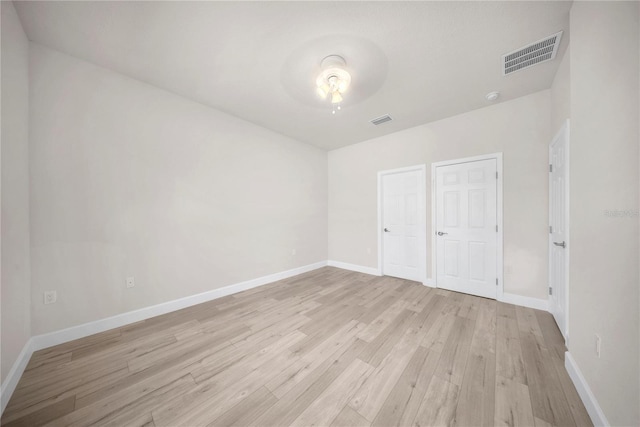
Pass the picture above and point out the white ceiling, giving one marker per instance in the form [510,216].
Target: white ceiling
[417,61]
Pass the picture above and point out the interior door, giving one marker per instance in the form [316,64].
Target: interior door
[466,227]
[558,228]
[401,201]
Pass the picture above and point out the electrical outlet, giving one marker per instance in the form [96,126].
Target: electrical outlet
[130,282]
[50,297]
[598,345]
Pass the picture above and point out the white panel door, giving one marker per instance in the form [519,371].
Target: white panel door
[466,227]
[558,233]
[401,210]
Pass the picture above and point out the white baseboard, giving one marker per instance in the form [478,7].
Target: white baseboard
[584,391]
[40,342]
[81,331]
[10,383]
[537,303]
[369,270]
[353,267]
[429,282]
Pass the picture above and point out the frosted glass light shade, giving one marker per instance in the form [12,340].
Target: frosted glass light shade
[333,79]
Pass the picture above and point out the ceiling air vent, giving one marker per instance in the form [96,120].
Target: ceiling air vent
[382,119]
[535,53]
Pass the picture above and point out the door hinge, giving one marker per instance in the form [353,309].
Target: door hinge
[550,168]
[496,281]
[550,290]
[550,229]
[496,228]
[496,175]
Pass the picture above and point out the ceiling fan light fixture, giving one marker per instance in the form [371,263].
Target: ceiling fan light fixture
[323,91]
[334,79]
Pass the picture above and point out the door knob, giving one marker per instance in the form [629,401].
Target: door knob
[386,230]
[440,233]
[563,244]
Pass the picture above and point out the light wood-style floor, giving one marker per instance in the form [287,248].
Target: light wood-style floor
[327,348]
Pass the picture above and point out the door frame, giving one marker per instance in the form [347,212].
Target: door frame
[563,132]
[499,218]
[422,216]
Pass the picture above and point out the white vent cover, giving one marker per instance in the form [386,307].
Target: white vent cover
[382,119]
[532,54]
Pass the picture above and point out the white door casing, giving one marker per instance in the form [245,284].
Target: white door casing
[402,223]
[559,228]
[467,226]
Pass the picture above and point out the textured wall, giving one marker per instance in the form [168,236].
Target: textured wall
[604,177]
[518,128]
[131,180]
[16,291]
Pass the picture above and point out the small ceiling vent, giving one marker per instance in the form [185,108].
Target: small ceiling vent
[382,119]
[532,54]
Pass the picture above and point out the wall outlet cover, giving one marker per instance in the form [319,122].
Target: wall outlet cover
[50,297]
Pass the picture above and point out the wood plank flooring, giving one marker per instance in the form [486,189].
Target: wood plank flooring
[327,348]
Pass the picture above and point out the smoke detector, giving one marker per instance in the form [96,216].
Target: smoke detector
[492,96]
[535,53]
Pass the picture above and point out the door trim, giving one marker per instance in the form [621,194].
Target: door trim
[499,218]
[422,216]
[564,131]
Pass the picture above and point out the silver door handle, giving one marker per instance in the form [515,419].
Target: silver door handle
[563,244]
[386,230]
[440,233]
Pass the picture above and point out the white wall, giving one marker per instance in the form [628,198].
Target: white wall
[561,93]
[16,291]
[518,128]
[131,180]
[604,177]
